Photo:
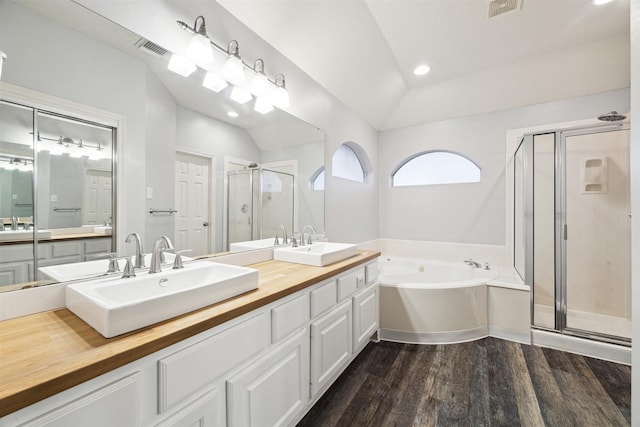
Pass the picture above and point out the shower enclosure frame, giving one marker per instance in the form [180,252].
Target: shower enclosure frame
[250,171]
[560,228]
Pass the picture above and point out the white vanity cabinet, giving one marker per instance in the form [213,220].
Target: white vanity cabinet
[331,346]
[274,389]
[264,368]
[16,259]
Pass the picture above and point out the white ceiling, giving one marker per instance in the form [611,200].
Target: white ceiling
[364,52]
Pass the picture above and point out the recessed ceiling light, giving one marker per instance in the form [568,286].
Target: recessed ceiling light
[232,114]
[421,70]
[601,2]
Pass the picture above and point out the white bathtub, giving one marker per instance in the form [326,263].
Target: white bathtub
[432,302]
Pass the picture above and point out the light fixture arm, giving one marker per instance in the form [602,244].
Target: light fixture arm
[202,30]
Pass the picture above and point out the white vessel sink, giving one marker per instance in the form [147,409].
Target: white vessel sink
[250,245]
[318,254]
[114,306]
[87,269]
[9,235]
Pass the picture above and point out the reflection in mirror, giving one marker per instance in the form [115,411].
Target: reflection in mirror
[70,219]
[98,62]
[74,174]
[519,222]
[260,200]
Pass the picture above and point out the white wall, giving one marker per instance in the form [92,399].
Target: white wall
[467,213]
[160,156]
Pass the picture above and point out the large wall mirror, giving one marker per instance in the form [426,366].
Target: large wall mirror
[168,122]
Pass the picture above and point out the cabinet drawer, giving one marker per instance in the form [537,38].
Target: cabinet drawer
[288,317]
[350,283]
[65,249]
[94,246]
[191,369]
[371,271]
[116,404]
[323,298]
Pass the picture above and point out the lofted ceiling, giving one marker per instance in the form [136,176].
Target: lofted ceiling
[364,52]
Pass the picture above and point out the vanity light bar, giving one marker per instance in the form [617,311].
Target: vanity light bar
[268,92]
[69,146]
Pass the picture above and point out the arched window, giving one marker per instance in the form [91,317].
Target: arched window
[435,167]
[348,162]
[316,182]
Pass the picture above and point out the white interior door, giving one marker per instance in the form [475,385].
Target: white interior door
[96,207]
[192,230]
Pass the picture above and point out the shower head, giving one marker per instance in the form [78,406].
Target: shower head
[253,166]
[612,116]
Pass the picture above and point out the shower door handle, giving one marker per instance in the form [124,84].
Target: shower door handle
[564,231]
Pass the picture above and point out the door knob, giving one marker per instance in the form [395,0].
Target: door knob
[205,224]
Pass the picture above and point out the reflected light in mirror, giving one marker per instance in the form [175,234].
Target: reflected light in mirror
[214,82]
[180,65]
[241,94]
[263,106]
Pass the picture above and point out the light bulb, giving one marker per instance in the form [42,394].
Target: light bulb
[263,106]
[260,85]
[241,94]
[280,97]
[214,82]
[180,65]
[199,50]
[233,70]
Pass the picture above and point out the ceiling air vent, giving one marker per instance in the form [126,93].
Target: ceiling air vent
[500,7]
[150,47]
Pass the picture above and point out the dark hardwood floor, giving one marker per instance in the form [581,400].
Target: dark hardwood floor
[490,382]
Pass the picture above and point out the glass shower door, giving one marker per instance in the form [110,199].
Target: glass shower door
[596,234]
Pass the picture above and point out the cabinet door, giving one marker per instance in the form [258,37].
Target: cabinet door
[274,389]
[365,316]
[331,345]
[206,411]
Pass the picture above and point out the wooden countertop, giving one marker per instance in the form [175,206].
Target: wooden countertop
[58,237]
[46,353]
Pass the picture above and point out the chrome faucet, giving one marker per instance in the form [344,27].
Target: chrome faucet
[161,244]
[285,238]
[135,237]
[14,223]
[472,263]
[308,242]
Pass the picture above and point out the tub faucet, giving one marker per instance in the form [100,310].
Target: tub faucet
[472,263]
[308,242]
[14,223]
[135,237]
[161,244]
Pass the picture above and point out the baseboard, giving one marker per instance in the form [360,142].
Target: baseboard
[584,347]
[452,337]
[510,335]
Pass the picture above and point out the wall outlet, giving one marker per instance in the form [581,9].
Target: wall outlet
[149,192]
